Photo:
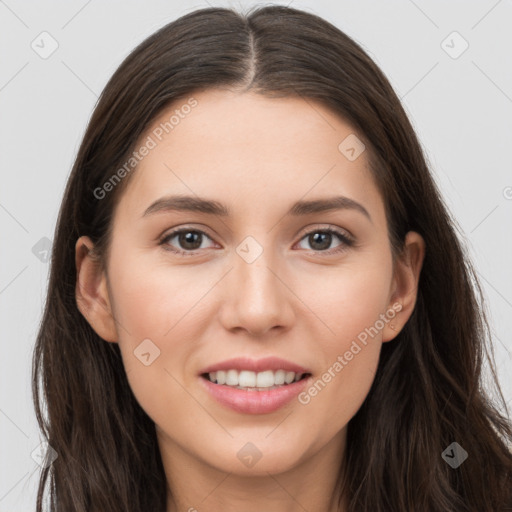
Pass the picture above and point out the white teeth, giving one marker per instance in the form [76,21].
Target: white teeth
[289,377]
[247,379]
[279,377]
[267,379]
[264,379]
[232,378]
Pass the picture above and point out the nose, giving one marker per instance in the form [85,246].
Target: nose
[258,298]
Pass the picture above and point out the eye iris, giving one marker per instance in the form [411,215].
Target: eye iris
[314,238]
[187,237]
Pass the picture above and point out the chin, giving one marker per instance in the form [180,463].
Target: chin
[256,457]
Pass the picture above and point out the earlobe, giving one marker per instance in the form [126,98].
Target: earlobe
[407,274]
[91,291]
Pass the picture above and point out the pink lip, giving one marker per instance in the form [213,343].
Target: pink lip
[255,365]
[255,402]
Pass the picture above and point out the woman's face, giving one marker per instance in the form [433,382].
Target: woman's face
[254,276]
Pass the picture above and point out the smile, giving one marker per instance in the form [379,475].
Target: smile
[254,399]
[250,380]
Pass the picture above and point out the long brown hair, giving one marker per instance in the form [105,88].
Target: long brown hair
[427,392]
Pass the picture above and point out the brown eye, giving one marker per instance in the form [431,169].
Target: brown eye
[321,239]
[188,240]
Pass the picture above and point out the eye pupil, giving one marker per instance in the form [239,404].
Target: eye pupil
[187,237]
[317,237]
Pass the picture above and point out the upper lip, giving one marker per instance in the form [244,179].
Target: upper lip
[255,365]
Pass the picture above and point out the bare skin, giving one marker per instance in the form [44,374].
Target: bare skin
[299,300]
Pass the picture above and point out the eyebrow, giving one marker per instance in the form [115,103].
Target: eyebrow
[212,207]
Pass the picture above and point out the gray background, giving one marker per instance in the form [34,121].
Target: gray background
[461,108]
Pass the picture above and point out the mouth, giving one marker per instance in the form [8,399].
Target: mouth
[248,392]
[254,386]
[254,381]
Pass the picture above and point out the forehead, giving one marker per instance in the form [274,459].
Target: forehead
[250,152]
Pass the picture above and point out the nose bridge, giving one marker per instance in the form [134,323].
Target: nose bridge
[257,296]
[253,264]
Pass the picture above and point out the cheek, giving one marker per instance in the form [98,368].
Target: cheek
[152,299]
[353,304]
[351,359]
[156,309]
[335,396]
[351,301]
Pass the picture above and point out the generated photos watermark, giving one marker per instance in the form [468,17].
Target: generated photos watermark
[150,143]
[343,360]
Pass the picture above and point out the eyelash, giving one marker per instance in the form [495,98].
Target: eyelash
[346,240]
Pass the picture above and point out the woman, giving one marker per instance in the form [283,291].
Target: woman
[255,369]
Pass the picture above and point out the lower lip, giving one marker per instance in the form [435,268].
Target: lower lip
[255,402]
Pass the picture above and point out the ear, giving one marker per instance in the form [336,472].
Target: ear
[91,291]
[405,285]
